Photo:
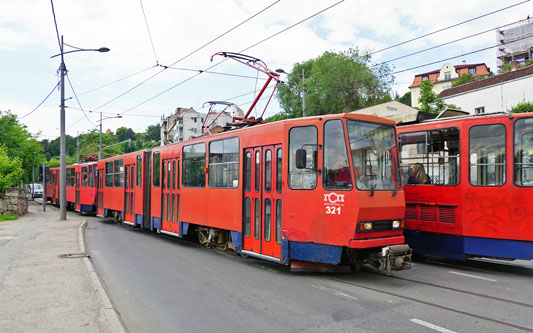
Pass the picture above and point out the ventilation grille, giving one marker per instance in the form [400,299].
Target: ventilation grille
[447,214]
[410,212]
[427,213]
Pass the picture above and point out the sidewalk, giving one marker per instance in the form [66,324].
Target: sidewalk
[39,291]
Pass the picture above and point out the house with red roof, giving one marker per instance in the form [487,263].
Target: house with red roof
[499,93]
[442,78]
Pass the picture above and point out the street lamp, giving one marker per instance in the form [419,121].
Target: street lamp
[62,141]
[100,146]
[281,71]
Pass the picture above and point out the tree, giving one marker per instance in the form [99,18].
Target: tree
[405,99]
[11,171]
[153,132]
[334,82]
[19,143]
[124,134]
[428,100]
[522,107]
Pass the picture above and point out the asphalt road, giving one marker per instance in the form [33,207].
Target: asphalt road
[163,284]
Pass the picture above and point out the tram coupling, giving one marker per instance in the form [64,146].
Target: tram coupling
[392,258]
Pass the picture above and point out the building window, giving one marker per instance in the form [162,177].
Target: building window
[487,155]
[224,163]
[425,78]
[472,70]
[479,110]
[194,165]
[195,119]
[447,75]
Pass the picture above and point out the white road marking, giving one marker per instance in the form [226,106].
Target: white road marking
[335,292]
[433,327]
[472,276]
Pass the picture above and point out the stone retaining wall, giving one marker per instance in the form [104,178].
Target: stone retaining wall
[13,202]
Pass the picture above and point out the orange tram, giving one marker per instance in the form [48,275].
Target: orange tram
[315,192]
[469,185]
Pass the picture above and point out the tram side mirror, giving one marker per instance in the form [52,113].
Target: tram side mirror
[301,158]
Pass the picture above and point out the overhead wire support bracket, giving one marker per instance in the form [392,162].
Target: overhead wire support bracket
[205,128]
[260,66]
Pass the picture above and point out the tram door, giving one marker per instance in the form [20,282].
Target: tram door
[262,200]
[129,192]
[100,199]
[77,191]
[170,201]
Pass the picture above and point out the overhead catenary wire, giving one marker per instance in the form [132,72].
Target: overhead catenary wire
[188,55]
[447,43]
[149,34]
[218,63]
[118,80]
[57,30]
[81,108]
[448,27]
[54,88]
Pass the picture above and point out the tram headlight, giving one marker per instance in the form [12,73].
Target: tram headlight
[366,226]
[396,224]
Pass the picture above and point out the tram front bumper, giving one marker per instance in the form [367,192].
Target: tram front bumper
[375,242]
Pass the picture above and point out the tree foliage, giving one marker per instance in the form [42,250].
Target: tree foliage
[334,82]
[428,100]
[522,107]
[19,143]
[405,99]
[11,171]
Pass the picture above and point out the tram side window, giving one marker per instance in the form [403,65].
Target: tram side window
[139,170]
[84,177]
[157,165]
[224,163]
[430,157]
[194,165]
[336,166]
[302,142]
[487,155]
[119,173]
[109,174]
[91,176]
[523,152]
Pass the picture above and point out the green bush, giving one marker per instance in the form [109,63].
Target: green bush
[522,107]
[8,217]
[11,171]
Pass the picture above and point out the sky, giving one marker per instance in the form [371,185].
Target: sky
[144,35]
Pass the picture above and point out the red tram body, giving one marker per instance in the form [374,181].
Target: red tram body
[81,186]
[474,195]
[272,191]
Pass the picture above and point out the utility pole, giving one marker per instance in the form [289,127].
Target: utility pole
[62,145]
[100,146]
[78,148]
[303,93]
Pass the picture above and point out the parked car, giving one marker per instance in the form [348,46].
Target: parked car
[37,190]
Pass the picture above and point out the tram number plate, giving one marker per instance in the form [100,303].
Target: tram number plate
[332,210]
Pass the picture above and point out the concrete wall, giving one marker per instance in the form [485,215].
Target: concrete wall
[496,98]
[13,202]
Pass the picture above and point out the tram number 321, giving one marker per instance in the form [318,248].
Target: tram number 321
[333,210]
[333,202]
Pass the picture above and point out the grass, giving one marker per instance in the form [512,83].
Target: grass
[8,217]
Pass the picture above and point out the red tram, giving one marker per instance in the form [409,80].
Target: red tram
[315,191]
[81,187]
[468,186]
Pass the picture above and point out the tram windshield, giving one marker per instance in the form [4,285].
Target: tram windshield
[372,147]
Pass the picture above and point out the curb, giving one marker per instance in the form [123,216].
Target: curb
[111,316]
